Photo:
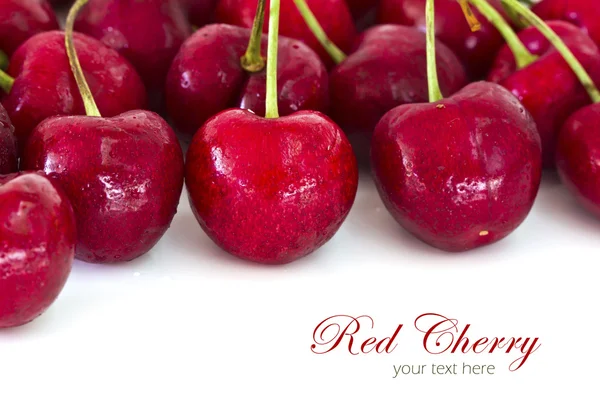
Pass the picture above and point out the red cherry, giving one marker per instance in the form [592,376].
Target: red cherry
[123,175]
[475,49]
[461,172]
[582,13]
[22,19]
[147,33]
[270,190]
[44,85]
[37,242]
[207,77]
[387,69]
[548,88]
[334,16]
[578,156]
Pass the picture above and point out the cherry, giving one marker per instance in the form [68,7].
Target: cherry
[475,49]
[37,242]
[43,85]
[387,69]
[147,33]
[578,156]
[207,77]
[8,144]
[462,172]
[334,16]
[22,19]
[582,13]
[547,87]
[273,189]
[123,175]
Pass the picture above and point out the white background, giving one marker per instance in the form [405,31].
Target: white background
[188,321]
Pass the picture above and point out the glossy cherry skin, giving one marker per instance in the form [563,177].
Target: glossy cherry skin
[388,69]
[333,15]
[123,175]
[148,33]
[548,88]
[21,19]
[462,172]
[8,144]
[578,156]
[270,190]
[200,12]
[44,84]
[583,13]
[206,77]
[475,49]
[37,244]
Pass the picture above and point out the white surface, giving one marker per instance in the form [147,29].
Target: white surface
[188,321]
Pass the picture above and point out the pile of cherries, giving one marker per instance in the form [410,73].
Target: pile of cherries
[281,102]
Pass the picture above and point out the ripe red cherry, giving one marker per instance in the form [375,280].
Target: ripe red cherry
[22,19]
[123,175]
[475,49]
[37,242]
[582,13]
[147,33]
[578,156]
[462,172]
[8,144]
[548,88]
[44,85]
[333,15]
[270,190]
[207,77]
[387,69]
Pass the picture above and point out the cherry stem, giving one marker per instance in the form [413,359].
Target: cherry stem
[435,94]
[252,60]
[523,57]
[472,20]
[272,108]
[560,46]
[3,60]
[6,81]
[91,109]
[315,27]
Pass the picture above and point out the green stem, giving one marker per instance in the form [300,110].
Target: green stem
[522,56]
[315,27]
[91,109]
[560,46]
[272,108]
[252,60]
[6,81]
[3,60]
[515,18]
[435,94]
